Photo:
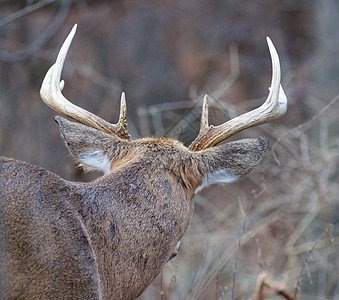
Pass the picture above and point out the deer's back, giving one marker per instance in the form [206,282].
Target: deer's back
[37,223]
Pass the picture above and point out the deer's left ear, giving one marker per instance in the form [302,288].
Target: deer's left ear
[90,147]
[230,162]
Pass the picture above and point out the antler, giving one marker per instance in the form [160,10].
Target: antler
[50,93]
[274,107]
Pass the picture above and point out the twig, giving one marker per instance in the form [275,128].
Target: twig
[243,228]
[217,283]
[308,258]
[302,127]
[154,110]
[161,285]
[25,11]
[233,75]
[42,39]
[266,287]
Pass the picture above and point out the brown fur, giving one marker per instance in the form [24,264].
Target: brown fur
[110,238]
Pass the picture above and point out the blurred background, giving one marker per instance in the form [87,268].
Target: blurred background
[281,222]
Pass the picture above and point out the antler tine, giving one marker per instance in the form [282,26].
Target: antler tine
[274,107]
[204,116]
[122,124]
[50,93]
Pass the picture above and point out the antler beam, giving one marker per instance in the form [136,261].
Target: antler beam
[274,107]
[51,94]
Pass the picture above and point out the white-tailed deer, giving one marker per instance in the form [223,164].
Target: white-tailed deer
[109,239]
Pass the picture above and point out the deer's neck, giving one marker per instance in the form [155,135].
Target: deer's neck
[133,224]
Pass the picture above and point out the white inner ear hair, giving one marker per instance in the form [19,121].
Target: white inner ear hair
[219,176]
[96,159]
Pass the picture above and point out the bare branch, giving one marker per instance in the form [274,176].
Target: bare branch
[25,11]
[42,39]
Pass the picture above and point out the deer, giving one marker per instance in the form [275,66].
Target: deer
[111,237]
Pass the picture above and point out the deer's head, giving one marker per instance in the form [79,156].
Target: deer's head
[97,144]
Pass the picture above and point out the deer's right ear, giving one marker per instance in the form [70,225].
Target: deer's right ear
[90,147]
[230,162]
